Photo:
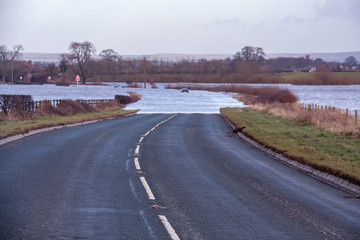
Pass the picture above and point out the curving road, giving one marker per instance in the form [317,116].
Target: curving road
[189,177]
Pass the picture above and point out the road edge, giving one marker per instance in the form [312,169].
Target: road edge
[47,129]
[335,181]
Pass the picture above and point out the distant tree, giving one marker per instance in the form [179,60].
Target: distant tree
[51,70]
[63,65]
[109,54]
[80,54]
[8,57]
[259,54]
[249,53]
[237,57]
[351,61]
[110,57]
[318,61]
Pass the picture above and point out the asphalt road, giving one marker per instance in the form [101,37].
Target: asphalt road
[189,177]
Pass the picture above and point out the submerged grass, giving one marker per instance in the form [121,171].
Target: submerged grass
[10,128]
[335,153]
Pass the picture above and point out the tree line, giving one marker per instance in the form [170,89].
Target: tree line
[80,60]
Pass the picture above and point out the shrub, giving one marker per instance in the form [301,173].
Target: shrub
[70,107]
[123,99]
[109,105]
[15,103]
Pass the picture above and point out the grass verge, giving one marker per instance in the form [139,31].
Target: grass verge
[10,128]
[334,153]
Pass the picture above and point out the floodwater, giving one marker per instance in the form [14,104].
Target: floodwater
[170,100]
[153,100]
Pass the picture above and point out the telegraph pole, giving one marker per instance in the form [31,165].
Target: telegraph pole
[145,64]
[12,72]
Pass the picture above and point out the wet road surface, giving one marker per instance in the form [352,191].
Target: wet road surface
[188,178]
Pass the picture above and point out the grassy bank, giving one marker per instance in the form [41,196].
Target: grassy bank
[322,78]
[333,152]
[10,128]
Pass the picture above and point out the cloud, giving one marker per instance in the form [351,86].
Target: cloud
[293,20]
[229,21]
[345,9]
[266,27]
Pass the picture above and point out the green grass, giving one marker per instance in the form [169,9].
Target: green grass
[334,153]
[351,75]
[295,75]
[332,78]
[10,128]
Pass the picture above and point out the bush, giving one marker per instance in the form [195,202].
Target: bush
[123,99]
[70,107]
[109,105]
[15,103]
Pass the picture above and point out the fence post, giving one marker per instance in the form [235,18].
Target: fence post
[356,117]
[309,107]
[347,113]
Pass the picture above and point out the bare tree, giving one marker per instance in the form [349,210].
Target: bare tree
[80,54]
[3,54]
[110,57]
[8,57]
[109,54]
[249,53]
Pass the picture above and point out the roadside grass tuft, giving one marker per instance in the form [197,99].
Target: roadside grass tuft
[332,120]
[332,152]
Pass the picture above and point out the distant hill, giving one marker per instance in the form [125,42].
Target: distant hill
[41,57]
[338,57]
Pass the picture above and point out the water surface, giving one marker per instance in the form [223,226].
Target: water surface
[169,100]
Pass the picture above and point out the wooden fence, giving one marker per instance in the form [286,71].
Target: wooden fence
[36,105]
[346,112]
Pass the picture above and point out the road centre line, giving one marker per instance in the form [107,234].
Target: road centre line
[137,149]
[147,188]
[136,162]
[169,228]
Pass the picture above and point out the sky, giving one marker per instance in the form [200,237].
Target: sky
[182,26]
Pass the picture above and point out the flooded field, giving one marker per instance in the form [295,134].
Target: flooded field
[162,100]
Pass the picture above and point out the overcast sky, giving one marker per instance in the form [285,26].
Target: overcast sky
[184,26]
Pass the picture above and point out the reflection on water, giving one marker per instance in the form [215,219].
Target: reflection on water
[169,100]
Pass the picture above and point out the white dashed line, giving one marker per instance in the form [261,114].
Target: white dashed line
[151,196]
[169,228]
[147,188]
[137,149]
[137,165]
